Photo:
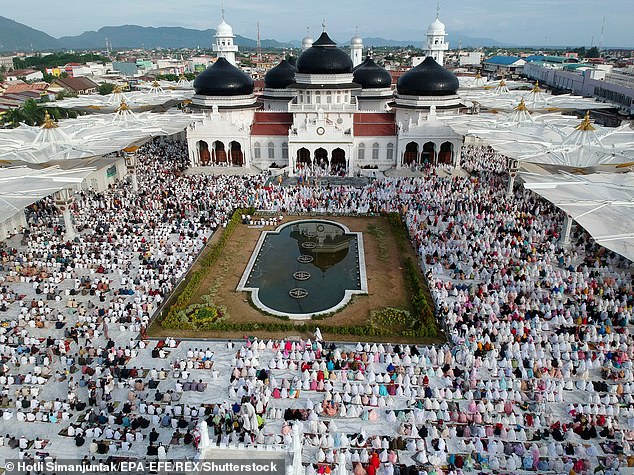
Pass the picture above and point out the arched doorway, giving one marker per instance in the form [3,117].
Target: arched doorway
[303,158]
[321,158]
[338,162]
[203,152]
[219,153]
[237,157]
[411,154]
[446,153]
[429,153]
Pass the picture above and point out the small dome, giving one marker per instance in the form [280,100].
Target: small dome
[323,57]
[281,76]
[223,79]
[370,75]
[224,29]
[356,41]
[307,42]
[427,79]
[437,27]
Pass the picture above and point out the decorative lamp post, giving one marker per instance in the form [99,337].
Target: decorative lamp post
[513,167]
[131,162]
[63,200]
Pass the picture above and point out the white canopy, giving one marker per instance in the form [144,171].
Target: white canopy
[549,139]
[602,203]
[504,96]
[22,186]
[88,136]
[153,95]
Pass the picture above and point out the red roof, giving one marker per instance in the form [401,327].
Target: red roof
[22,87]
[271,123]
[374,124]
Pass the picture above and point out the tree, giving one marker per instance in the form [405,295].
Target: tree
[593,53]
[105,88]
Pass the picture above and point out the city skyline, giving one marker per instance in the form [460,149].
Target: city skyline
[524,22]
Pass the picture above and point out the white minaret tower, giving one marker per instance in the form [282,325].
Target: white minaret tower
[436,40]
[307,42]
[224,41]
[356,49]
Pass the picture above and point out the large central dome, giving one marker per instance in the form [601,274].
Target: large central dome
[223,79]
[323,57]
[427,79]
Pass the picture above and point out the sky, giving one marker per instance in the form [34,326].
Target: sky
[521,22]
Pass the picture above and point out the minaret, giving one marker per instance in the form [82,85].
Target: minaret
[436,44]
[307,42]
[356,49]
[224,41]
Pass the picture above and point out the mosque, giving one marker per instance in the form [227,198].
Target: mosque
[328,112]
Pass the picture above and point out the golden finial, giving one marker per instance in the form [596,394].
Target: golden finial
[585,125]
[521,106]
[182,77]
[123,106]
[536,89]
[502,83]
[478,76]
[156,84]
[117,90]
[49,123]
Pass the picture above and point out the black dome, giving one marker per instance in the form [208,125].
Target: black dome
[280,76]
[370,75]
[427,79]
[323,57]
[223,79]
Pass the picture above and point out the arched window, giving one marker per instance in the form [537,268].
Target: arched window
[271,150]
[390,152]
[257,153]
[318,97]
[328,97]
[285,151]
[361,152]
[375,151]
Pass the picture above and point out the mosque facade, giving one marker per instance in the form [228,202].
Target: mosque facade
[327,112]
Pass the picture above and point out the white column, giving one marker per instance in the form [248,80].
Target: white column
[71,232]
[135,182]
[509,190]
[64,199]
[566,229]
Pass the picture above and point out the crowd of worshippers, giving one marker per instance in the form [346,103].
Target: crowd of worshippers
[536,374]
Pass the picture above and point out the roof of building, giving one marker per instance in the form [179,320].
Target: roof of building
[223,79]
[281,76]
[379,124]
[22,87]
[271,123]
[323,57]
[80,83]
[503,60]
[428,79]
[549,59]
[21,72]
[370,75]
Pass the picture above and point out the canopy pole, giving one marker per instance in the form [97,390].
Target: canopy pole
[566,230]
[64,199]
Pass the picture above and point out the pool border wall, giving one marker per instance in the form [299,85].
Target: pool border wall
[304,316]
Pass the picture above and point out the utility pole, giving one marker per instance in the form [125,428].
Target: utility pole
[259,46]
[601,39]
